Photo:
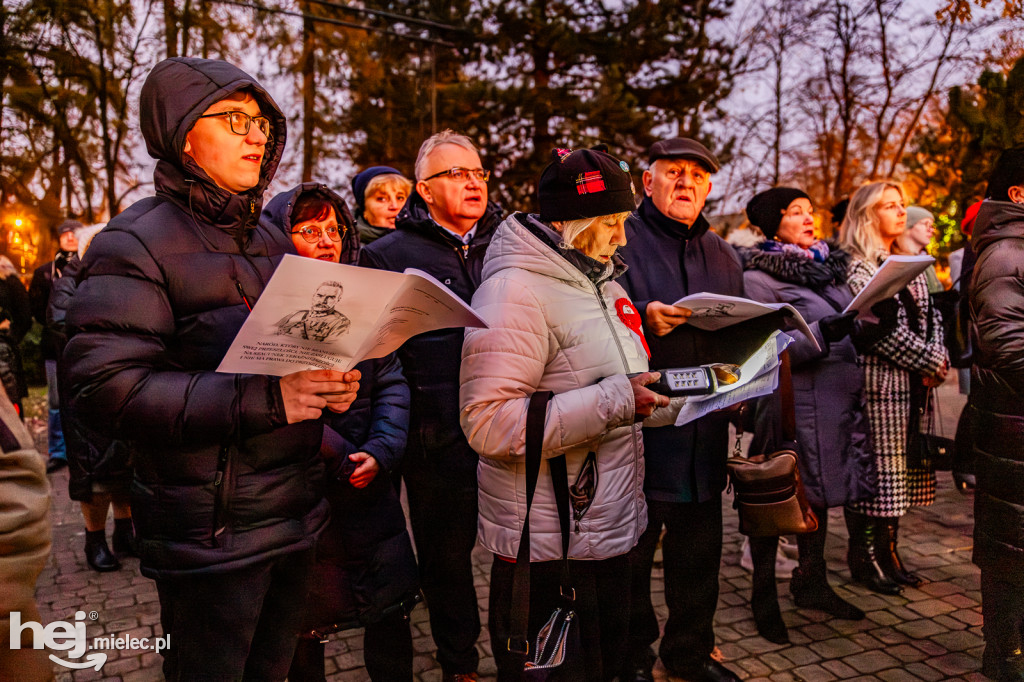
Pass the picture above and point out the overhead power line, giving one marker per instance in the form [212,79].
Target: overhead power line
[339,22]
[391,15]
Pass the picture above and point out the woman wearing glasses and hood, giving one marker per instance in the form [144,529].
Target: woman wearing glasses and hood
[365,574]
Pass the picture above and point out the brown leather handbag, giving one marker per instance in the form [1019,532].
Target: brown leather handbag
[767,491]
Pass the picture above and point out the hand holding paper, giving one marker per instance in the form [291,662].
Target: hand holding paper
[662,318]
[305,394]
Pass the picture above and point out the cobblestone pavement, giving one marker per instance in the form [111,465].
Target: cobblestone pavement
[931,633]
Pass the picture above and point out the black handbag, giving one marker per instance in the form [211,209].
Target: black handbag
[769,496]
[554,652]
[956,325]
[925,448]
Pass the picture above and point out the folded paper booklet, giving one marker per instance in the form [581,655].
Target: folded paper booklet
[895,273]
[319,315]
[717,311]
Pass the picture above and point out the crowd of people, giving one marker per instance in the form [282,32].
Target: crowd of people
[267,508]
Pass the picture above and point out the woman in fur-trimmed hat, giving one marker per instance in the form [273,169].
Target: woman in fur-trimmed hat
[793,266]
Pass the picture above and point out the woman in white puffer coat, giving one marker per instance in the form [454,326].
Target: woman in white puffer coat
[558,322]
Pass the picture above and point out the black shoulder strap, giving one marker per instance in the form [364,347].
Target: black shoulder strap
[535,416]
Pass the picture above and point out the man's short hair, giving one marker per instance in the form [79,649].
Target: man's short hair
[1009,172]
[435,141]
[329,283]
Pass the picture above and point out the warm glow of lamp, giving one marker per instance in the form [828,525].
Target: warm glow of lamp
[18,222]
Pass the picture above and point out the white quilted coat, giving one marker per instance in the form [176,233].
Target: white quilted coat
[551,329]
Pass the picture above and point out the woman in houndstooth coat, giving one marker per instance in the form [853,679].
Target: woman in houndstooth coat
[894,364]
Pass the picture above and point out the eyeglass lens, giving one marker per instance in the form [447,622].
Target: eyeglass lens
[312,234]
[240,122]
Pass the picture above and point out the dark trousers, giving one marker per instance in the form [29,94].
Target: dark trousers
[443,515]
[602,604]
[387,653]
[239,625]
[1002,605]
[692,554]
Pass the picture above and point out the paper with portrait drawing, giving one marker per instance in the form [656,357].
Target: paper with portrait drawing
[716,311]
[759,375]
[319,315]
[895,273]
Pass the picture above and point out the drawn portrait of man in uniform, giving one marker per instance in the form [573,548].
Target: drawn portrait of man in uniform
[321,322]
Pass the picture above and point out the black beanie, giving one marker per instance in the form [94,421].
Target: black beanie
[360,181]
[765,209]
[585,183]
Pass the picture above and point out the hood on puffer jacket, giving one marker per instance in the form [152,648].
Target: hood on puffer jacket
[514,245]
[278,214]
[796,268]
[997,220]
[174,96]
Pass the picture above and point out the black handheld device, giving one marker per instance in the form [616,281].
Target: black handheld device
[700,380]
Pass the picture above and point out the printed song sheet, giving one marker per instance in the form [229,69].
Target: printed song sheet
[716,311]
[319,315]
[895,273]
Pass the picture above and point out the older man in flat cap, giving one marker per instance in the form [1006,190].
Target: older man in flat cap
[672,252]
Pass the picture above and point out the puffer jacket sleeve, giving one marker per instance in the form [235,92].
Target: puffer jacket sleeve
[902,347]
[120,322]
[998,308]
[389,414]
[502,366]
[60,298]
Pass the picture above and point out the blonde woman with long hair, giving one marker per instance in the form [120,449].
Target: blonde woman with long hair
[911,355]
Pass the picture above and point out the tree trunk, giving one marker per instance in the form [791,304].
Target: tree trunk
[308,67]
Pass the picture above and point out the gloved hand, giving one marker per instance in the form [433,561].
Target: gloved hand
[867,334]
[887,312]
[837,327]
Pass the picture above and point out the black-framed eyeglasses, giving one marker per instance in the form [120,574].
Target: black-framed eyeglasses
[312,234]
[460,174]
[241,121]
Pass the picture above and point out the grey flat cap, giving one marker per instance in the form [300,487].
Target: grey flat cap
[682,148]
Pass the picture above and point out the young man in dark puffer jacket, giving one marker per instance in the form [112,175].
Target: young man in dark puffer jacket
[997,401]
[227,496]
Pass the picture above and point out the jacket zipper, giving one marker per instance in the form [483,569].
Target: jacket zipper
[625,368]
[220,493]
[462,251]
[241,292]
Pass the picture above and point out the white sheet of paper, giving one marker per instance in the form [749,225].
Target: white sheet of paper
[717,311]
[895,273]
[284,332]
[759,375]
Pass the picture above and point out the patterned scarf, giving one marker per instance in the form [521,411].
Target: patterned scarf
[818,251]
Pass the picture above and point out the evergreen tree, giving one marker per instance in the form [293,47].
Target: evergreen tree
[952,158]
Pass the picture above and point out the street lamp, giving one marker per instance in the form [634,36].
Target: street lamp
[22,243]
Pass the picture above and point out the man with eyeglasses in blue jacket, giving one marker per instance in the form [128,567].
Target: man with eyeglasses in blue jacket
[444,230]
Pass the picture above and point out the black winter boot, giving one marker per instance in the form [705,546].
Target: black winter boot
[97,554]
[891,562]
[764,596]
[862,556]
[809,586]
[124,537]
